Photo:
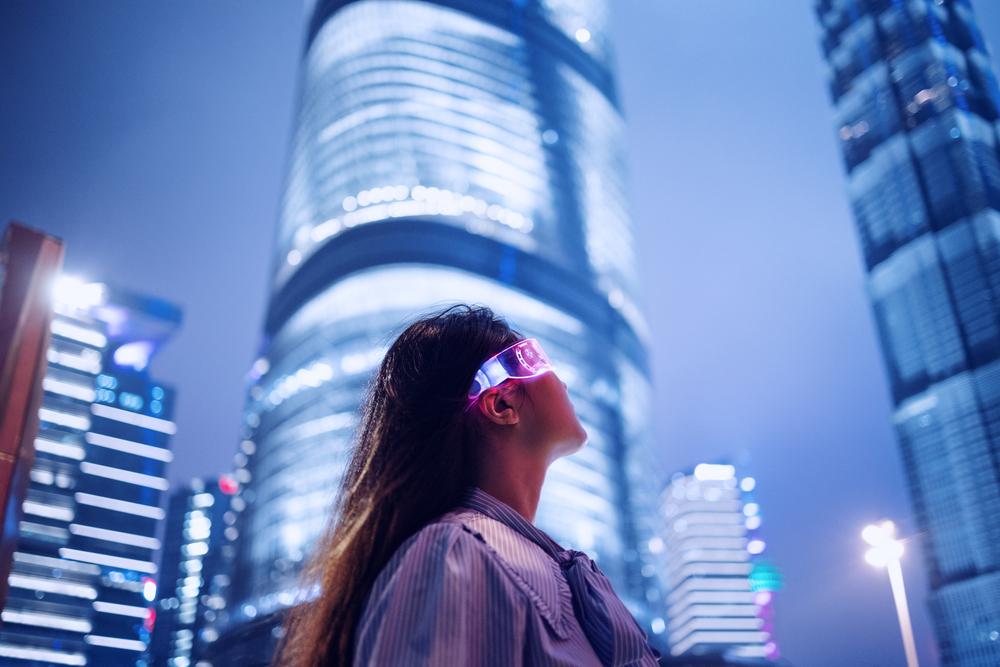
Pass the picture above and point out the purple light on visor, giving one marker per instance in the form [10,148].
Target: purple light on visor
[523,359]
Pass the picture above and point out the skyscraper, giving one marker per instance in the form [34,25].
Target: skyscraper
[193,570]
[460,150]
[83,577]
[917,109]
[719,589]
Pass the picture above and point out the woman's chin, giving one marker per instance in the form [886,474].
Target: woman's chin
[578,443]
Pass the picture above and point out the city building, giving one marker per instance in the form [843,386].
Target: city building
[82,577]
[916,105]
[193,570]
[450,151]
[719,588]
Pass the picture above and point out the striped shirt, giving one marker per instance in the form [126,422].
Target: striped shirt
[481,585]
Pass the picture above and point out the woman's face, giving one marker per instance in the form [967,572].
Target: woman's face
[551,416]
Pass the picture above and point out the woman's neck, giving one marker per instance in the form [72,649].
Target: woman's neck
[518,486]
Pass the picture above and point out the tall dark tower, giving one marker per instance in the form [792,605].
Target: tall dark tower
[458,150]
[917,108]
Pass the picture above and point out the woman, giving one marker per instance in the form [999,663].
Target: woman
[433,559]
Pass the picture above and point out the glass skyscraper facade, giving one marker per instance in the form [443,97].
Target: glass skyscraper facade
[193,570]
[917,110]
[83,577]
[719,588]
[451,151]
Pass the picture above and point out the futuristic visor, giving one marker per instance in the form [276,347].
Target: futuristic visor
[523,359]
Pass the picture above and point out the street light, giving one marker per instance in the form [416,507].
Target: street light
[886,551]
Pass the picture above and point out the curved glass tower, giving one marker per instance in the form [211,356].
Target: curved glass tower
[452,151]
[917,108]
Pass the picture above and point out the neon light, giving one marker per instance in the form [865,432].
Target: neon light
[130,447]
[714,472]
[82,334]
[126,476]
[143,421]
[195,549]
[228,485]
[203,500]
[41,529]
[748,610]
[71,389]
[73,291]
[148,589]
[135,355]
[42,476]
[114,536]
[115,642]
[52,586]
[48,511]
[43,620]
[116,505]
[88,360]
[65,450]
[120,609]
[104,559]
[43,654]
[721,623]
[48,561]
[704,637]
[79,422]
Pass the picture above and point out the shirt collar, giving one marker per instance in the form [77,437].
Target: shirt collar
[481,501]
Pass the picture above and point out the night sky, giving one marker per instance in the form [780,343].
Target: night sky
[153,136]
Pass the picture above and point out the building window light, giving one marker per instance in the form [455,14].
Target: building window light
[142,421]
[60,418]
[130,447]
[126,476]
[44,620]
[48,511]
[116,505]
[115,642]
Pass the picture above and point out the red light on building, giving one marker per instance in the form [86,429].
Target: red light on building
[228,485]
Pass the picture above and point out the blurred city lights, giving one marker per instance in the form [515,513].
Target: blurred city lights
[714,472]
[73,291]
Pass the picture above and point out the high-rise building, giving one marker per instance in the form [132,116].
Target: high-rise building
[719,588]
[193,570]
[917,109]
[83,578]
[448,151]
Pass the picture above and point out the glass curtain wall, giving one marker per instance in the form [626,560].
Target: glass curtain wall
[448,152]
[917,109]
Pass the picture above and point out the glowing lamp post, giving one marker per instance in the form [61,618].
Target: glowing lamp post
[886,551]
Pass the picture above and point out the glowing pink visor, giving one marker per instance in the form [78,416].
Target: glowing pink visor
[523,359]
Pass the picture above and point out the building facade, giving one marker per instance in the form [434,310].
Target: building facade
[917,108]
[193,570]
[451,151]
[83,577]
[719,588]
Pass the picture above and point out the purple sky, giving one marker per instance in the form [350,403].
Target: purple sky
[152,137]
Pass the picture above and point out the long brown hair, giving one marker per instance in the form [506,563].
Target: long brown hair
[413,456]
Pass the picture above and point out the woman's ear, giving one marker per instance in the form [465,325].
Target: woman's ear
[496,405]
